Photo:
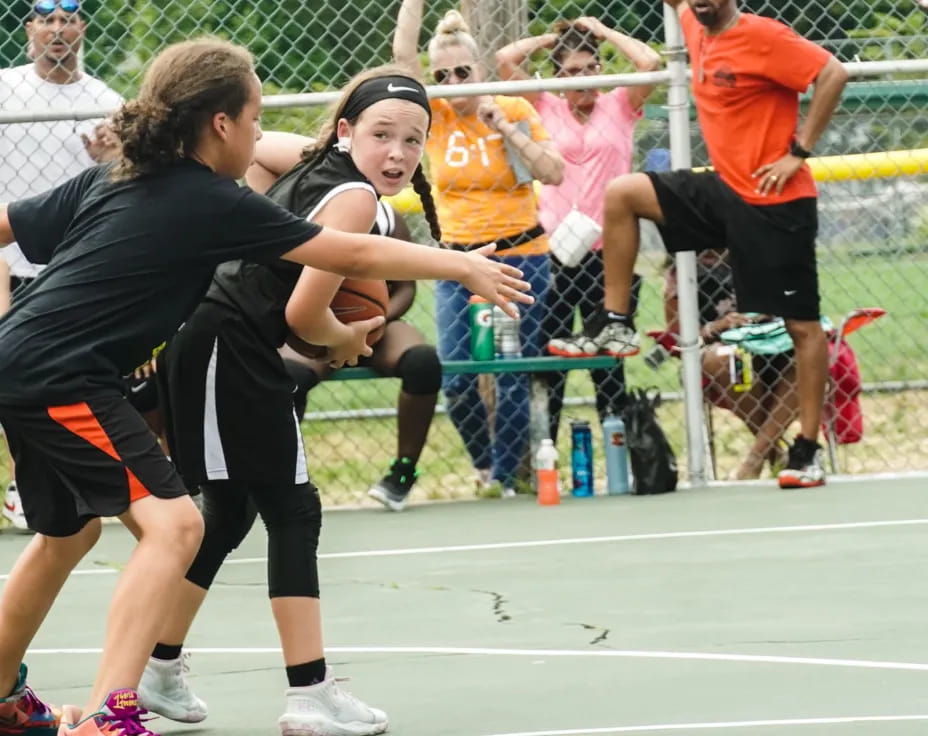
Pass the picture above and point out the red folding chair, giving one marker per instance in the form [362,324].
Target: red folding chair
[842,415]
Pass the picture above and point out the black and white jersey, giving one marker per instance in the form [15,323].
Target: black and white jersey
[229,396]
[260,291]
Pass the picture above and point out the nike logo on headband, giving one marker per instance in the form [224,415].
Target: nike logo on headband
[392,88]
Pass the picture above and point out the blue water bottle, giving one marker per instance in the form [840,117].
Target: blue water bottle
[581,458]
[616,454]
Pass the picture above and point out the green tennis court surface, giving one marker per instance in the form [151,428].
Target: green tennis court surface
[735,610]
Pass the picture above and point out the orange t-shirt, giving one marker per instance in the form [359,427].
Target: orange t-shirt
[746,82]
[478,198]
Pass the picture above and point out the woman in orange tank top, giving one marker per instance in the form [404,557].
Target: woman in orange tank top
[484,153]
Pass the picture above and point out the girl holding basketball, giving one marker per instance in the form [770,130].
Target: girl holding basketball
[131,250]
[403,353]
[231,425]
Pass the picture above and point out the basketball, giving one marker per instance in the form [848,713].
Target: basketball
[356,300]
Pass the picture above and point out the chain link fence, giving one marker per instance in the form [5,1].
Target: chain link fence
[873,237]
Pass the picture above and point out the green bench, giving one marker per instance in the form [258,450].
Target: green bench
[504,365]
[535,367]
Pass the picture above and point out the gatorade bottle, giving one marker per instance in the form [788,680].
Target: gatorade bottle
[481,329]
[616,453]
[581,458]
[547,482]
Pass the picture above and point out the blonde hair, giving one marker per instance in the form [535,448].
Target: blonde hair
[453,30]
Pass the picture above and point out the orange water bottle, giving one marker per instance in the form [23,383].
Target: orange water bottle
[547,482]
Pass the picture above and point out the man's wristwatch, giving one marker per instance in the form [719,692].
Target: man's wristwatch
[798,151]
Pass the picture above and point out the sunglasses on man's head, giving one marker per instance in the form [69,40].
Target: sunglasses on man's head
[47,7]
[462,72]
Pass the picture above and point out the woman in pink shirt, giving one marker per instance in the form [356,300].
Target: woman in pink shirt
[594,132]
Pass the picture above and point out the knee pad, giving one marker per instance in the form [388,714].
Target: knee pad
[305,379]
[228,516]
[293,518]
[420,370]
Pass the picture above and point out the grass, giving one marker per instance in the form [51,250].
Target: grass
[347,455]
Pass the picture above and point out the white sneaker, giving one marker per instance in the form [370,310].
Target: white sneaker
[326,709]
[164,690]
[13,508]
[614,338]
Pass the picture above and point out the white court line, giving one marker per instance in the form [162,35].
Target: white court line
[570,541]
[602,540]
[837,720]
[582,653]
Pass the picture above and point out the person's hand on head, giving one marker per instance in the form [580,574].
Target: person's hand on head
[496,282]
[593,25]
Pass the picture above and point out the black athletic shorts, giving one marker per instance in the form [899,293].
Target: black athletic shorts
[772,247]
[142,392]
[83,460]
[228,403]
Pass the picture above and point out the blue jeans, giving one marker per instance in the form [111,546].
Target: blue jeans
[503,452]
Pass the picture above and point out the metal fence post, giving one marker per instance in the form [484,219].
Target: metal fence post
[678,112]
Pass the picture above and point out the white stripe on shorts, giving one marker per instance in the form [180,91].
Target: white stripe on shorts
[214,459]
[302,474]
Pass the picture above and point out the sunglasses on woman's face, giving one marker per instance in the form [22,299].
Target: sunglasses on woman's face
[587,70]
[462,73]
[47,7]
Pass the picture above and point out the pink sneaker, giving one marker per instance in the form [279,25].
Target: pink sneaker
[23,713]
[120,715]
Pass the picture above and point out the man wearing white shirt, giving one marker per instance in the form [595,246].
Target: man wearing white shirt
[37,156]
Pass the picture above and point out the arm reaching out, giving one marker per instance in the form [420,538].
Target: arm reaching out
[377,257]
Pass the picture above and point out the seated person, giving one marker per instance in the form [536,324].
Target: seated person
[403,353]
[771,403]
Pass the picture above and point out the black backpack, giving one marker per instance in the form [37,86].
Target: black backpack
[654,464]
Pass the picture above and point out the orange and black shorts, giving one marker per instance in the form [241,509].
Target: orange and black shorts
[84,460]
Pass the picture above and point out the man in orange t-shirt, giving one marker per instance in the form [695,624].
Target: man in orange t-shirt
[760,202]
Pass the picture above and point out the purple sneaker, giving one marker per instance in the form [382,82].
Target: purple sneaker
[120,715]
[23,713]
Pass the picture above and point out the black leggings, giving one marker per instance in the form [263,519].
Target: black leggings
[292,516]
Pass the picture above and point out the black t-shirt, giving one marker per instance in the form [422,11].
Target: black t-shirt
[128,262]
[260,291]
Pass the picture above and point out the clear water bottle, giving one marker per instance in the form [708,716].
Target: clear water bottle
[548,485]
[616,453]
[506,334]
[581,458]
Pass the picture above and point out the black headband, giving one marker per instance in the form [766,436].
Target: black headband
[386,88]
